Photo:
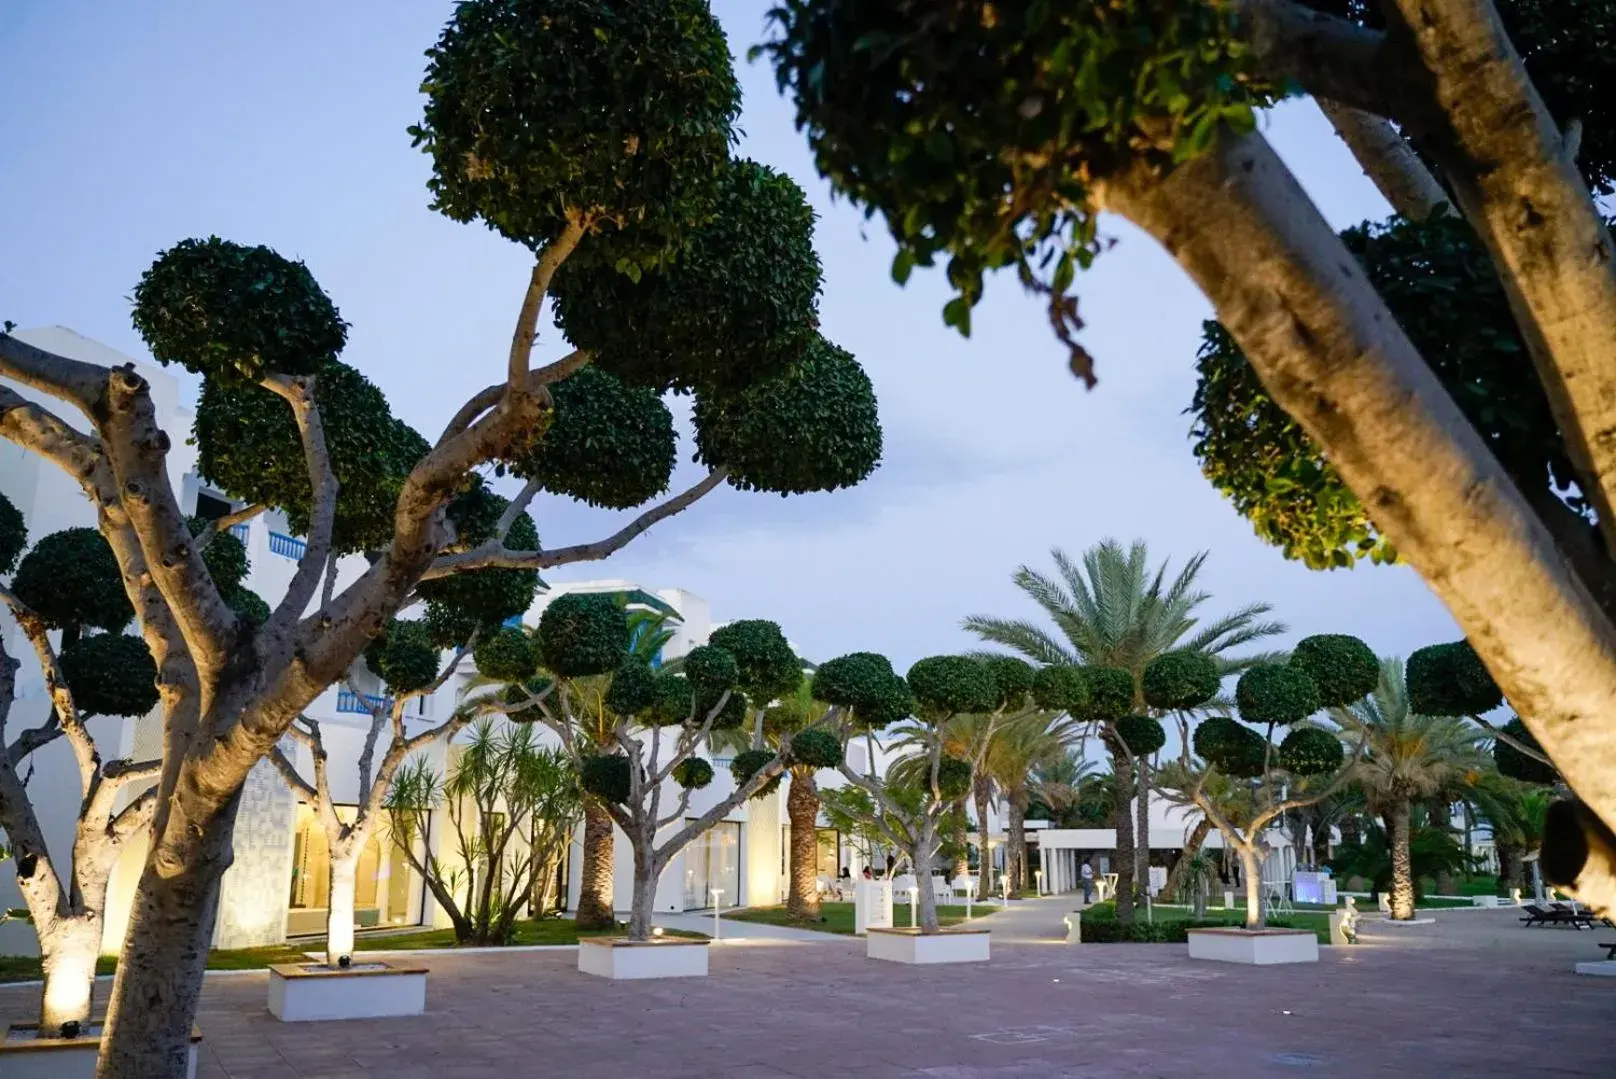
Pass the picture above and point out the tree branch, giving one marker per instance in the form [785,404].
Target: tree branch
[67,712]
[1388,160]
[78,383]
[225,523]
[300,394]
[1332,58]
[289,773]
[518,506]
[554,254]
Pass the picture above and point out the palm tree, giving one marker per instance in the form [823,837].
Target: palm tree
[1407,757]
[1514,812]
[1112,611]
[1016,750]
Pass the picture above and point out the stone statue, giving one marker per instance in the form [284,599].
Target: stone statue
[1349,921]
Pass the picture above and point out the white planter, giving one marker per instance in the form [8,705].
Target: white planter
[304,992]
[1486,901]
[24,1055]
[913,946]
[620,959]
[1599,968]
[1258,947]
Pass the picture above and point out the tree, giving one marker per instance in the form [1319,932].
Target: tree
[1324,672]
[699,247]
[1407,756]
[925,784]
[1113,612]
[513,806]
[969,131]
[1020,746]
[68,584]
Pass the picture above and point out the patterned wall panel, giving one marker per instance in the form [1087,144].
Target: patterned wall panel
[252,902]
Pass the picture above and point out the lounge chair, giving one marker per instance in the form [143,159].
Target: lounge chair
[1610,950]
[1536,915]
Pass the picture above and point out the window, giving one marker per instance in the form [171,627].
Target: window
[382,885]
[211,507]
[714,862]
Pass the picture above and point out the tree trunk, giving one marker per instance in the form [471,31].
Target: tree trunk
[982,791]
[1192,846]
[802,809]
[1333,357]
[644,904]
[165,952]
[1351,834]
[595,910]
[1402,898]
[925,901]
[1321,842]
[1251,863]
[961,827]
[1141,847]
[1020,878]
[1123,821]
[67,955]
[339,918]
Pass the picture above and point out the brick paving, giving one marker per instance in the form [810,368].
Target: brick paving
[1473,996]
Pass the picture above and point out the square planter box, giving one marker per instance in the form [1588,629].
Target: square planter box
[621,959]
[1259,947]
[1598,968]
[301,992]
[25,1055]
[913,946]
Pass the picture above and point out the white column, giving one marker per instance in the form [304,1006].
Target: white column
[1043,862]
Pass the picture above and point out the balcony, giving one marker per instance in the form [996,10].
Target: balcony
[240,531]
[364,704]
[287,546]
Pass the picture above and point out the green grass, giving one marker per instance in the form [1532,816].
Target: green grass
[838,917]
[18,968]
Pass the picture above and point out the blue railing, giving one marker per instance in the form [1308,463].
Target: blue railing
[513,620]
[287,546]
[722,762]
[240,531]
[349,701]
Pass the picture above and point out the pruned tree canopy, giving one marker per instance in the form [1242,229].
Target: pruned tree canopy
[609,443]
[1143,735]
[13,535]
[404,656]
[866,685]
[1235,749]
[1311,751]
[506,655]
[1271,694]
[767,667]
[1110,693]
[72,581]
[1175,681]
[1450,680]
[480,600]
[1517,765]
[110,674]
[1060,688]
[951,685]
[582,633]
[1343,668]
[816,749]
[225,556]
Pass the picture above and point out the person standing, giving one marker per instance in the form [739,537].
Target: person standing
[1087,875]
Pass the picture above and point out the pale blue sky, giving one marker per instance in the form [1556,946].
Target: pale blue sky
[126,127]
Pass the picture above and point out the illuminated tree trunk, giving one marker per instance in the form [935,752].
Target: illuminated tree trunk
[1123,822]
[1192,846]
[1251,864]
[1402,898]
[925,902]
[982,792]
[339,919]
[802,809]
[595,909]
[67,955]
[1020,878]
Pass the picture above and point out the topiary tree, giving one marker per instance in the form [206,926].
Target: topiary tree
[1307,765]
[960,126]
[657,724]
[1451,680]
[70,582]
[575,128]
[1526,763]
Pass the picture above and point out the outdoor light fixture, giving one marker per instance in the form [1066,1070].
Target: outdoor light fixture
[914,907]
[656,930]
[718,894]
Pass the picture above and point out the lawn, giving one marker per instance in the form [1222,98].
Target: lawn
[838,917]
[17,968]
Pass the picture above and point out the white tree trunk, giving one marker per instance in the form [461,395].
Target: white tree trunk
[68,951]
[925,901]
[645,884]
[1256,916]
[1334,358]
[339,921]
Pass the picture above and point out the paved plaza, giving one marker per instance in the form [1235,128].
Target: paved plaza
[1474,995]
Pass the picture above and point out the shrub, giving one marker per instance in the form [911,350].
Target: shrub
[583,633]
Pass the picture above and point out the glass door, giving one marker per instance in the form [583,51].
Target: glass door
[714,862]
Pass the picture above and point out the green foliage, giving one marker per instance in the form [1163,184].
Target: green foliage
[1061,689]
[693,773]
[225,556]
[1235,750]
[1517,765]
[248,444]
[1431,851]
[768,668]
[815,427]
[975,129]
[1342,667]
[507,655]
[71,579]
[1310,751]
[1275,694]
[403,656]
[633,690]
[711,669]
[617,110]
[233,313]
[1143,735]
[481,599]
[518,694]
[608,444]
[1110,693]
[1100,926]
[1450,680]
[864,683]
[672,701]
[582,633]
[816,749]
[953,777]
[248,605]
[1439,282]
[952,685]
[1178,681]
[110,674]
[747,764]
[13,535]
[1012,679]
[606,776]
[737,305]
[732,716]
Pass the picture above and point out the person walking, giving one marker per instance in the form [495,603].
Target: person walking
[1087,875]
